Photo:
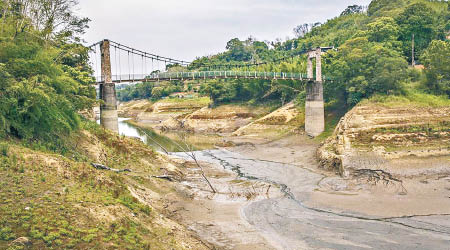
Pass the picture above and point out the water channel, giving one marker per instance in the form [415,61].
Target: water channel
[172,142]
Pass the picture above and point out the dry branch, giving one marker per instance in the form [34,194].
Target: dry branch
[165,177]
[376,176]
[189,152]
[103,167]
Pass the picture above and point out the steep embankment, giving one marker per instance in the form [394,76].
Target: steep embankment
[152,114]
[400,136]
[53,201]
[240,120]
[223,119]
[283,120]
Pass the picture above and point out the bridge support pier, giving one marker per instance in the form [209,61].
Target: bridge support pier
[108,109]
[315,108]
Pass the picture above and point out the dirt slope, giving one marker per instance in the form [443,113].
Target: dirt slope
[402,140]
[53,201]
[223,119]
[279,122]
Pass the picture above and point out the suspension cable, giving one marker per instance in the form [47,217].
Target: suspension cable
[132,60]
[96,63]
[120,68]
[146,70]
[149,55]
[129,69]
[157,61]
[115,60]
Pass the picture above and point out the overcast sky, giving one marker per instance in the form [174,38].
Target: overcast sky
[185,29]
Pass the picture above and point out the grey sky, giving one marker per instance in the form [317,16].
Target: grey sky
[185,29]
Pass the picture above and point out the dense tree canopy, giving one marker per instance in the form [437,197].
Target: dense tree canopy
[437,62]
[45,77]
[361,68]
[373,50]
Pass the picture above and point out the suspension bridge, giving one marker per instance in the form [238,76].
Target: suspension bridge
[141,66]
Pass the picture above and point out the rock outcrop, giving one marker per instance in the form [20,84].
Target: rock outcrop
[284,119]
[404,141]
[223,119]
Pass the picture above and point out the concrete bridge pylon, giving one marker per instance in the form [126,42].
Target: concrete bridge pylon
[315,108]
[108,108]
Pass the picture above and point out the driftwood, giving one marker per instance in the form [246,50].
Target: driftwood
[165,177]
[103,167]
[376,176]
[189,152]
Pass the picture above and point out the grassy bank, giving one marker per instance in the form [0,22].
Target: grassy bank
[61,201]
[412,98]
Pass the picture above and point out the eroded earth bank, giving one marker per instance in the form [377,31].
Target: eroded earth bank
[283,190]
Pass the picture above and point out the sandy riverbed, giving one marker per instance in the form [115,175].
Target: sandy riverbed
[273,196]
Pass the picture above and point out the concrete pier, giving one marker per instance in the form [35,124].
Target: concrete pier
[108,109]
[315,113]
[314,110]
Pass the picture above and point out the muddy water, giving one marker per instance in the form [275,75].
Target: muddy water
[287,223]
[172,142]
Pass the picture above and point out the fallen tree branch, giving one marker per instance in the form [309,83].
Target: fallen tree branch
[378,175]
[165,177]
[103,167]
[191,154]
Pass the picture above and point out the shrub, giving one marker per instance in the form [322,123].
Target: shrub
[4,149]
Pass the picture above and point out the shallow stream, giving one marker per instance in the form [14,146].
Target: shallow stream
[172,142]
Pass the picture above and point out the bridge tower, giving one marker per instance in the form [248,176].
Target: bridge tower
[108,109]
[315,110]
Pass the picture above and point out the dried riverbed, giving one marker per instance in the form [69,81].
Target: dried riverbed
[271,195]
[299,211]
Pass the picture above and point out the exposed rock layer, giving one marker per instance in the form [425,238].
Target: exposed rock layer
[405,141]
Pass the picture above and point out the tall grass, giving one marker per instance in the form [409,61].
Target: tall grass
[4,149]
[413,98]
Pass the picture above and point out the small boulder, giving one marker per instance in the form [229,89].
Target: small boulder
[22,241]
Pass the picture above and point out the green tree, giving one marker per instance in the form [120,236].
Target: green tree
[157,92]
[362,68]
[383,29]
[238,50]
[437,62]
[353,9]
[218,91]
[44,73]
[418,20]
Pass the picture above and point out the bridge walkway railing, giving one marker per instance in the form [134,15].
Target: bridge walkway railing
[206,75]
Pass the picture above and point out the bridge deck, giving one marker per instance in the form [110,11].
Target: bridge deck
[177,76]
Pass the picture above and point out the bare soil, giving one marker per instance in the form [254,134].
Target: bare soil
[308,207]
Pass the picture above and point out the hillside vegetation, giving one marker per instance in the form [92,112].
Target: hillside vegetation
[371,57]
[57,201]
[51,196]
